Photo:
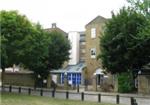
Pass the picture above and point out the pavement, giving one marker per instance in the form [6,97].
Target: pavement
[125,99]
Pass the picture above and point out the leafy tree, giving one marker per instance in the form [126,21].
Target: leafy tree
[142,6]
[124,46]
[35,53]
[45,51]
[59,48]
[14,29]
[29,44]
[3,52]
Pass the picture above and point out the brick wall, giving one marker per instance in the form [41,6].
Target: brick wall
[92,63]
[144,84]
[18,79]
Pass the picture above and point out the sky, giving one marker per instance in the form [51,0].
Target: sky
[69,15]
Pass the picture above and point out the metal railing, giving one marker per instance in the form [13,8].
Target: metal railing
[41,91]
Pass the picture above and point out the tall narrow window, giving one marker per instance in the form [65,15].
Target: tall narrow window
[93,52]
[93,33]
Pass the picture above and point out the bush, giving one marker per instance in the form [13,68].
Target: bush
[125,82]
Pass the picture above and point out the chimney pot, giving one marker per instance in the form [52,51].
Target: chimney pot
[53,25]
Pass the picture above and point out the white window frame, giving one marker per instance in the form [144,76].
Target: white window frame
[93,52]
[93,32]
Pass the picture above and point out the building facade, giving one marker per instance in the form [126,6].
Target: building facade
[73,37]
[82,45]
[72,72]
[93,32]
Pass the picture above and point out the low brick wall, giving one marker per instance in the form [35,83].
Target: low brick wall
[19,79]
[144,84]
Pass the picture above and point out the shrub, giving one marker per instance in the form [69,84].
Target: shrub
[125,82]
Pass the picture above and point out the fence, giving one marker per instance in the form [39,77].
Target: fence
[65,94]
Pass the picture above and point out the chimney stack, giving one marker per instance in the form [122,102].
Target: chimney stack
[53,25]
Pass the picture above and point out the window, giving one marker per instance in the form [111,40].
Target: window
[93,53]
[93,33]
[78,78]
[74,79]
[83,50]
[69,76]
[82,38]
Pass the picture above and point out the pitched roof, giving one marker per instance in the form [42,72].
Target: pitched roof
[56,29]
[71,68]
[98,19]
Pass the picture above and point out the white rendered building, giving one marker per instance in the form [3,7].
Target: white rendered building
[74,38]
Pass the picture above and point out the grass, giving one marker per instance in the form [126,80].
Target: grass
[20,99]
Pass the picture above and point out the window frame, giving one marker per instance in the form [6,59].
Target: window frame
[93,33]
[94,52]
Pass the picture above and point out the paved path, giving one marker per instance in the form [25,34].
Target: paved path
[88,96]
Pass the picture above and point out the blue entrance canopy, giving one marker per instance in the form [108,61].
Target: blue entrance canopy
[71,69]
[73,73]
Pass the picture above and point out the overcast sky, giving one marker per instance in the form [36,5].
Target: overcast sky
[70,15]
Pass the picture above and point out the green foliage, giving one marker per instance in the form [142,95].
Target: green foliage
[23,42]
[125,82]
[14,29]
[3,52]
[35,53]
[59,48]
[142,6]
[125,45]
[48,51]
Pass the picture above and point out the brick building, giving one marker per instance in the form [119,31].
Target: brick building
[93,32]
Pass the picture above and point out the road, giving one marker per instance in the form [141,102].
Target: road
[88,96]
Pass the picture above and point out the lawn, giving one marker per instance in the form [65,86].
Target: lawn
[19,99]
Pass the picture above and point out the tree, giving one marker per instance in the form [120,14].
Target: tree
[14,29]
[35,53]
[59,48]
[124,46]
[3,52]
[142,6]
[44,51]
[23,42]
